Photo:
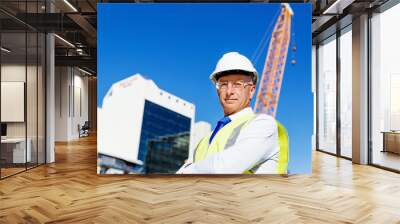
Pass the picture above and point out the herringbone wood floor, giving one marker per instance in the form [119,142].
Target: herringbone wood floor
[69,191]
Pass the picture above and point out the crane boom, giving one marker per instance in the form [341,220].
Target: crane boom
[271,80]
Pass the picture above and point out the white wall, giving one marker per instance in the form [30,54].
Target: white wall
[80,110]
[71,94]
[61,103]
[33,126]
[12,101]
[12,73]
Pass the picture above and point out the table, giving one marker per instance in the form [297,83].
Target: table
[391,141]
[17,150]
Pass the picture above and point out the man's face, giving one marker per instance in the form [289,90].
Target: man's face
[235,99]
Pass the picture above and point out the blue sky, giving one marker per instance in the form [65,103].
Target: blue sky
[178,45]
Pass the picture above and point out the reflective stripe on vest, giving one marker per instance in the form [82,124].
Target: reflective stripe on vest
[227,137]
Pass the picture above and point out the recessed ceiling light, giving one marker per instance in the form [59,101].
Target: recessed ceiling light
[84,71]
[337,7]
[5,50]
[70,5]
[65,41]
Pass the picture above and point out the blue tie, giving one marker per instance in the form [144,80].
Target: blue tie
[221,123]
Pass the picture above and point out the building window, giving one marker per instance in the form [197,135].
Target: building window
[385,89]
[346,93]
[164,140]
[327,95]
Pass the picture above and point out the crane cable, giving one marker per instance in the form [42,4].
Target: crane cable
[263,43]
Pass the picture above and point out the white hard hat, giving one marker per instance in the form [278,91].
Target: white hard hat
[233,62]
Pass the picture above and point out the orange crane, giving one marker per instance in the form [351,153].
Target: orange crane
[271,80]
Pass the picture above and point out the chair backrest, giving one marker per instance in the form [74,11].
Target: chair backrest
[86,124]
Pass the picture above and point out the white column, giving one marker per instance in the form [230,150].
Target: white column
[360,90]
[50,93]
[50,100]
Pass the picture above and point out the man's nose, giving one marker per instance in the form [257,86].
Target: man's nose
[229,89]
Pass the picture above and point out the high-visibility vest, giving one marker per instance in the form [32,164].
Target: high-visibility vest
[227,136]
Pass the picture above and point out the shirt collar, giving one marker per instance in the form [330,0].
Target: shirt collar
[244,111]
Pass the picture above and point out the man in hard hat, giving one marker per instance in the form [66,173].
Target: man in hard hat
[242,142]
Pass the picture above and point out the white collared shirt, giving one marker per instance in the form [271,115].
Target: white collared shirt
[257,144]
[244,111]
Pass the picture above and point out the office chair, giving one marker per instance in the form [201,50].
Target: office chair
[84,130]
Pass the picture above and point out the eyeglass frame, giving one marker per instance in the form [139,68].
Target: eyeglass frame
[242,85]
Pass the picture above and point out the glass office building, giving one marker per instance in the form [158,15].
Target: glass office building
[143,129]
[164,144]
[159,122]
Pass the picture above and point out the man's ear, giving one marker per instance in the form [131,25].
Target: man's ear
[252,91]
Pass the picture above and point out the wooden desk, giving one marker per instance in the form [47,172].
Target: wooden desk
[391,141]
[17,150]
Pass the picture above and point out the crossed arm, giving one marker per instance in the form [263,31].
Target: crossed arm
[255,143]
